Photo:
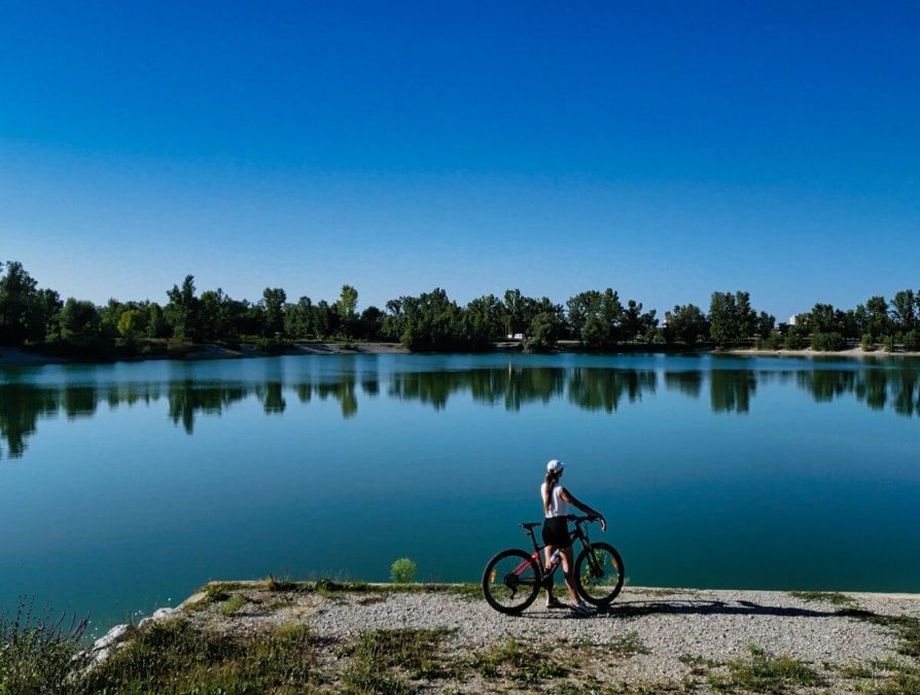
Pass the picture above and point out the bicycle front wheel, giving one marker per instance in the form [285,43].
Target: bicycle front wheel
[599,574]
[511,581]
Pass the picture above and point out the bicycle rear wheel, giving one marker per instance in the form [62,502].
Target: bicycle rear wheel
[511,581]
[599,574]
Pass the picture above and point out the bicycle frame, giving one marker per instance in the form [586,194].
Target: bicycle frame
[578,535]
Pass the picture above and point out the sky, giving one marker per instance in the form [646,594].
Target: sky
[665,149]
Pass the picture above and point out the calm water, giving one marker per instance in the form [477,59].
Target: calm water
[124,487]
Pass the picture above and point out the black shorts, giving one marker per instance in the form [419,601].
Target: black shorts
[556,532]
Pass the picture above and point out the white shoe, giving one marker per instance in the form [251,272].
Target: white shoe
[583,609]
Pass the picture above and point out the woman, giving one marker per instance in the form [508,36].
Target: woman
[556,501]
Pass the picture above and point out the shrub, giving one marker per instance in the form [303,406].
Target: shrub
[273,345]
[793,341]
[888,343]
[912,340]
[37,652]
[828,341]
[867,343]
[403,570]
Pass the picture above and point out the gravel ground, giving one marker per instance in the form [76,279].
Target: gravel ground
[716,625]
[683,636]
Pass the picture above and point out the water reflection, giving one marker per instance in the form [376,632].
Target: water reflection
[605,390]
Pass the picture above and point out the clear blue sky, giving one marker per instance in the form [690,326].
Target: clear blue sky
[664,149]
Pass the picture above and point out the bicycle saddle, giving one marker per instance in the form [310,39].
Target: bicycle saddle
[532,524]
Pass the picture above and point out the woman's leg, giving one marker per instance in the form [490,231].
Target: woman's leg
[567,566]
[548,561]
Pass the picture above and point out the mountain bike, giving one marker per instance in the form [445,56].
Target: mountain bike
[514,577]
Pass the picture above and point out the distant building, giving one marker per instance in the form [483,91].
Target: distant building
[515,336]
[791,321]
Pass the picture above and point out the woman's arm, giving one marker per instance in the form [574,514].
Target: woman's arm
[571,499]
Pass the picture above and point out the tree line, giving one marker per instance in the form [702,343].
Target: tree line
[431,321]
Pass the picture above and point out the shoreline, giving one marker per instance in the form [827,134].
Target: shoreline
[20,357]
[649,640]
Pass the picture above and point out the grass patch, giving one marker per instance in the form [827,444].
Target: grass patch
[215,592]
[763,673]
[833,597]
[517,661]
[382,660]
[273,583]
[663,592]
[903,679]
[37,651]
[469,592]
[175,657]
[626,645]
[371,599]
[232,604]
[698,664]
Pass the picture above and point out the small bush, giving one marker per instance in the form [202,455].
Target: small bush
[912,340]
[793,341]
[37,652]
[867,343]
[273,345]
[828,342]
[403,571]
[888,343]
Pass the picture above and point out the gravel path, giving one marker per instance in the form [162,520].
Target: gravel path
[651,640]
[711,624]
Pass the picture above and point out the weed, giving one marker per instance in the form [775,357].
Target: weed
[698,664]
[763,673]
[174,656]
[215,592]
[37,651]
[518,662]
[232,604]
[626,645]
[376,654]
[832,597]
[371,599]
[284,584]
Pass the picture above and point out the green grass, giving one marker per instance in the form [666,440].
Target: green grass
[37,651]
[273,583]
[517,661]
[232,604]
[833,597]
[764,673]
[175,657]
[383,660]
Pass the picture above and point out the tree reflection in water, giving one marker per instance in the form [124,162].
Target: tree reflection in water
[22,405]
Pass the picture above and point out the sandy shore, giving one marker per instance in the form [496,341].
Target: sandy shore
[856,352]
[17,357]
[649,641]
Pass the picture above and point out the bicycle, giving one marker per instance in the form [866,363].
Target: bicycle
[513,578]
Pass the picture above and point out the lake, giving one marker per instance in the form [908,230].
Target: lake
[125,486]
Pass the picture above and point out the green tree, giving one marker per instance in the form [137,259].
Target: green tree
[878,322]
[157,325]
[131,324]
[80,320]
[299,320]
[904,307]
[732,320]
[17,293]
[273,300]
[687,324]
[346,306]
[182,312]
[597,318]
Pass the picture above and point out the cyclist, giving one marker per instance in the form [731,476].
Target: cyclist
[556,500]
